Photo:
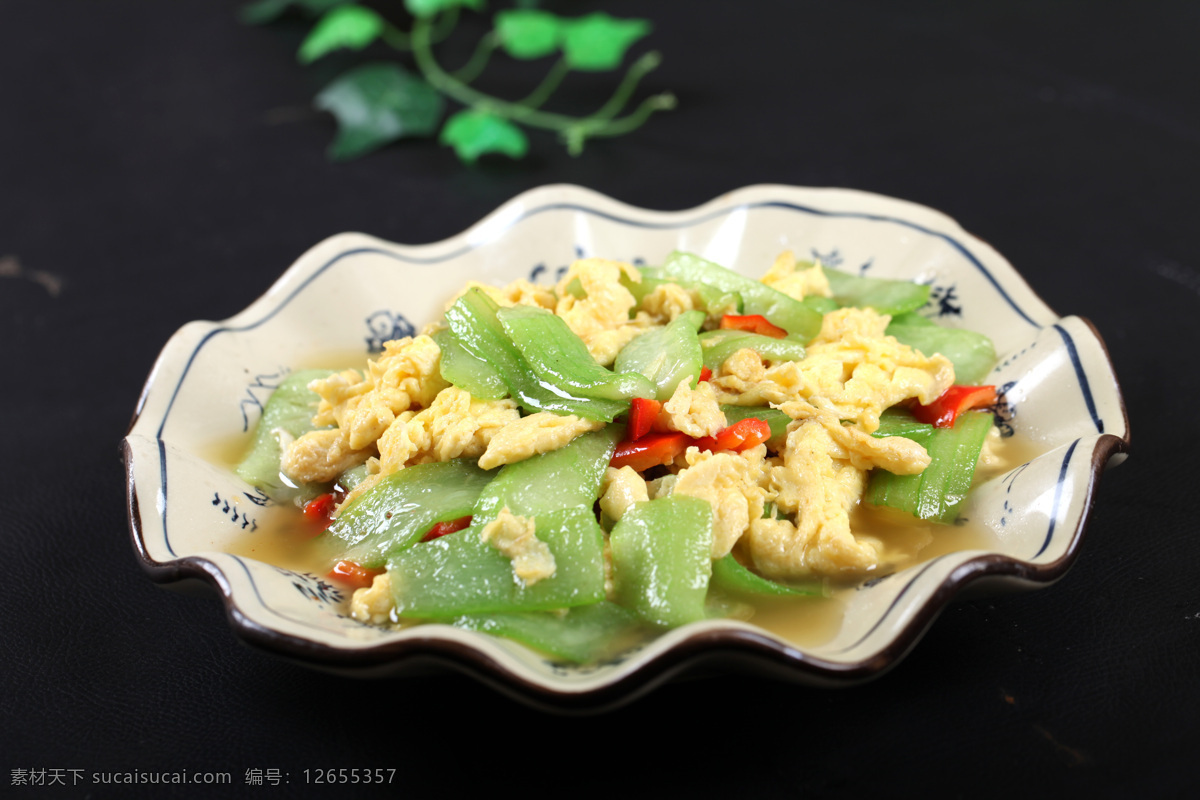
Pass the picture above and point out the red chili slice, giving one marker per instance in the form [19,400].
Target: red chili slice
[642,414]
[320,509]
[754,323]
[651,450]
[741,435]
[442,528]
[354,574]
[942,412]
[705,373]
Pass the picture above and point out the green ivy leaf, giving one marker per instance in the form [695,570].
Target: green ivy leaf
[598,42]
[376,104]
[474,133]
[352,27]
[264,11]
[528,33]
[427,8]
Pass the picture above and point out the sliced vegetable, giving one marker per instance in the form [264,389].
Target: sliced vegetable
[396,512]
[643,413]
[557,355]
[562,478]
[583,634]
[355,575]
[666,355]
[741,435]
[942,412]
[936,493]
[320,509]
[730,576]
[662,559]
[757,298]
[884,295]
[466,371]
[971,353]
[899,421]
[651,450]
[351,478]
[820,304]
[752,323]
[473,320]
[719,345]
[288,415]
[776,419]
[443,528]
[461,574]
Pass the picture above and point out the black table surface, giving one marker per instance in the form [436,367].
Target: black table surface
[160,163]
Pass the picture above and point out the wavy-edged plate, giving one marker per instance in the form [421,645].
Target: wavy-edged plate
[188,511]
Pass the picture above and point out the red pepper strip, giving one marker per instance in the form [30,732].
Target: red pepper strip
[705,373]
[442,528]
[320,509]
[353,574]
[754,323]
[741,435]
[642,414]
[942,412]
[650,450]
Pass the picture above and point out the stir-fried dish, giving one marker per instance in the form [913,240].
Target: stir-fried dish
[634,449]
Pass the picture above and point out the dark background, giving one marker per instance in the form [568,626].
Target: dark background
[159,163]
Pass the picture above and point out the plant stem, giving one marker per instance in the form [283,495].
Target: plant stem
[574,129]
[445,24]
[479,59]
[587,129]
[546,88]
[633,75]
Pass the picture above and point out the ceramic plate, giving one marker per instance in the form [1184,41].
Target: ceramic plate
[188,511]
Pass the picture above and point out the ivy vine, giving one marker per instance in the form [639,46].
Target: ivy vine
[379,102]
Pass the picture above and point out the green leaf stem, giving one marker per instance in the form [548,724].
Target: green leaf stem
[377,103]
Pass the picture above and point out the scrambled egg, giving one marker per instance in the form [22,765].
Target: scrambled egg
[373,605]
[515,536]
[620,489]
[534,434]
[785,511]
[693,411]
[784,276]
[732,483]
[852,370]
[602,317]
[455,424]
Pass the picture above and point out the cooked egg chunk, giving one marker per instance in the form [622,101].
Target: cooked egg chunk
[405,375]
[515,537]
[852,369]
[373,604]
[732,485]
[455,425]
[693,411]
[796,284]
[819,486]
[536,433]
[620,489]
